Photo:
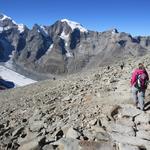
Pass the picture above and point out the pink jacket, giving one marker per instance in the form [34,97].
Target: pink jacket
[134,73]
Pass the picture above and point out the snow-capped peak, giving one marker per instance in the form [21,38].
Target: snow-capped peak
[74,25]
[3,17]
[114,31]
[20,27]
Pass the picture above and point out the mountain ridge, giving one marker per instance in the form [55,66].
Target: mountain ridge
[65,46]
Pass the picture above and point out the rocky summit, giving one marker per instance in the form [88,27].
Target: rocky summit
[92,110]
[65,47]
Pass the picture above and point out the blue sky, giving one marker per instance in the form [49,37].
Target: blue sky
[131,16]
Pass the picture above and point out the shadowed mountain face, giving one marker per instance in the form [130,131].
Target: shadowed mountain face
[65,46]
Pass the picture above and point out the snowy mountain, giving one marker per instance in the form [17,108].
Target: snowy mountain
[65,46]
[75,25]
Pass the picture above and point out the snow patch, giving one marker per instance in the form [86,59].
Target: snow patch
[68,54]
[66,44]
[114,31]
[14,22]
[64,36]
[1,29]
[15,77]
[49,49]
[21,28]
[6,28]
[44,30]
[5,17]
[74,25]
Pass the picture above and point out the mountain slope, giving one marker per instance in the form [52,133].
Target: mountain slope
[91,110]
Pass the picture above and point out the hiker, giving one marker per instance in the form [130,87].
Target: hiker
[139,82]
[122,65]
[108,67]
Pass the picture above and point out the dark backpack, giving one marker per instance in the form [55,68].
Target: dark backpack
[141,81]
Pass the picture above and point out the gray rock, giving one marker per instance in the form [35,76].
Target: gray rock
[125,121]
[92,122]
[49,138]
[48,147]
[135,141]
[67,98]
[127,147]
[18,131]
[89,134]
[72,133]
[98,129]
[72,144]
[129,111]
[36,126]
[34,144]
[143,134]
[102,136]
[67,144]
[142,118]
[143,126]
[58,134]
[89,145]
[122,129]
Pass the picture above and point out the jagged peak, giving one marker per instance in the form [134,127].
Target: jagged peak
[3,17]
[74,25]
[114,31]
[21,27]
[41,29]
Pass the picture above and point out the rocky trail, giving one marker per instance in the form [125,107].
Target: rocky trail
[85,111]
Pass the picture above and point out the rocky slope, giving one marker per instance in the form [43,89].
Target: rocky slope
[86,111]
[65,46]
